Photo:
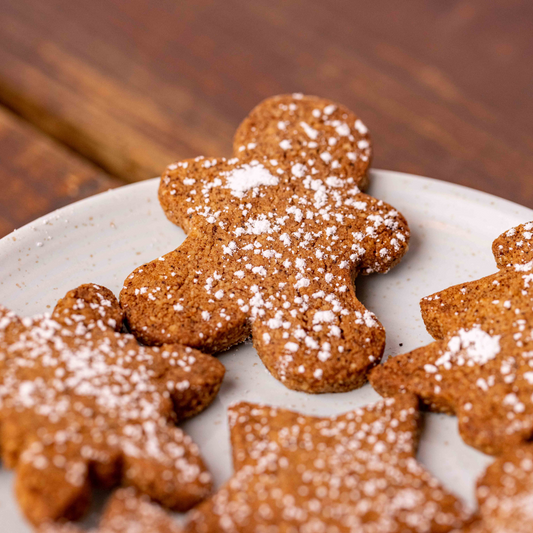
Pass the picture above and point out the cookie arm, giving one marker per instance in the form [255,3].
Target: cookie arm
[407,373]
[189,192]
[379,233]
[484,302]
[478,394]
[245,415]
[515,246]
[43,491]
[10,326]
[443,311]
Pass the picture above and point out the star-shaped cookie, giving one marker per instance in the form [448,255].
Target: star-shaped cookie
[481,366]
[81,403]
[353,472]
[276,236]
[127,512]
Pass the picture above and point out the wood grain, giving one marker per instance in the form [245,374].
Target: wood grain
[131,84]
[37,175]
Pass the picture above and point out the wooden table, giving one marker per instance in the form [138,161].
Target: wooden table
[97,93]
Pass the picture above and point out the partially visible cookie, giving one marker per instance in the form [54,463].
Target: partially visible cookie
[82,403]
[276,236]
[353,472]
[293,128]
[505,493]
[127,512]
[481,367]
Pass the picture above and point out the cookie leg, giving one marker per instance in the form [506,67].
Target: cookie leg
[407,372]
[127,511]
[48,492]
[165,465]
[316,343]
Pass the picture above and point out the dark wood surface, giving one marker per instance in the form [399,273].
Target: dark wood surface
[38,175]
[125,86]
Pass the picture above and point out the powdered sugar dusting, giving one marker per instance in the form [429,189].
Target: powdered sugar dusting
[475,345]
[246,177]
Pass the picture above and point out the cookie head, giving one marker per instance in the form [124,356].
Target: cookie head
[275,240]
[82,403]
[297,129]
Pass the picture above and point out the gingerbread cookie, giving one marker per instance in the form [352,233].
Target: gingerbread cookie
[276,236]
[82,403]
[127,512]
[481,366]
[352,472]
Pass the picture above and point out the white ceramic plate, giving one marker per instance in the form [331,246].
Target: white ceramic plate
[102,239]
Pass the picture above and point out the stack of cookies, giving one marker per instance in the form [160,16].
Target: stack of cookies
[91,394]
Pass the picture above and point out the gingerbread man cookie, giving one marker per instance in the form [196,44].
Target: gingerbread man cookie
[276,236]
[82,403]
[481,366]
[352,472]
[127,512]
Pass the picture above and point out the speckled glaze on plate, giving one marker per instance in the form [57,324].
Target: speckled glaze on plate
[102,239]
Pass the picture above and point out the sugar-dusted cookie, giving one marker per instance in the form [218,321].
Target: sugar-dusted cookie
[481,366]
[505,493]
[82,403]
[276,236]
[127,512]
[353,472]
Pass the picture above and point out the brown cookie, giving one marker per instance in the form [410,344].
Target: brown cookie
[127,512]
[81,403]
[353,472]
[481,367]
[505,493]
[276,237]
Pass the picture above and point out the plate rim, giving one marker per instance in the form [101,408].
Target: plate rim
[466,192]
